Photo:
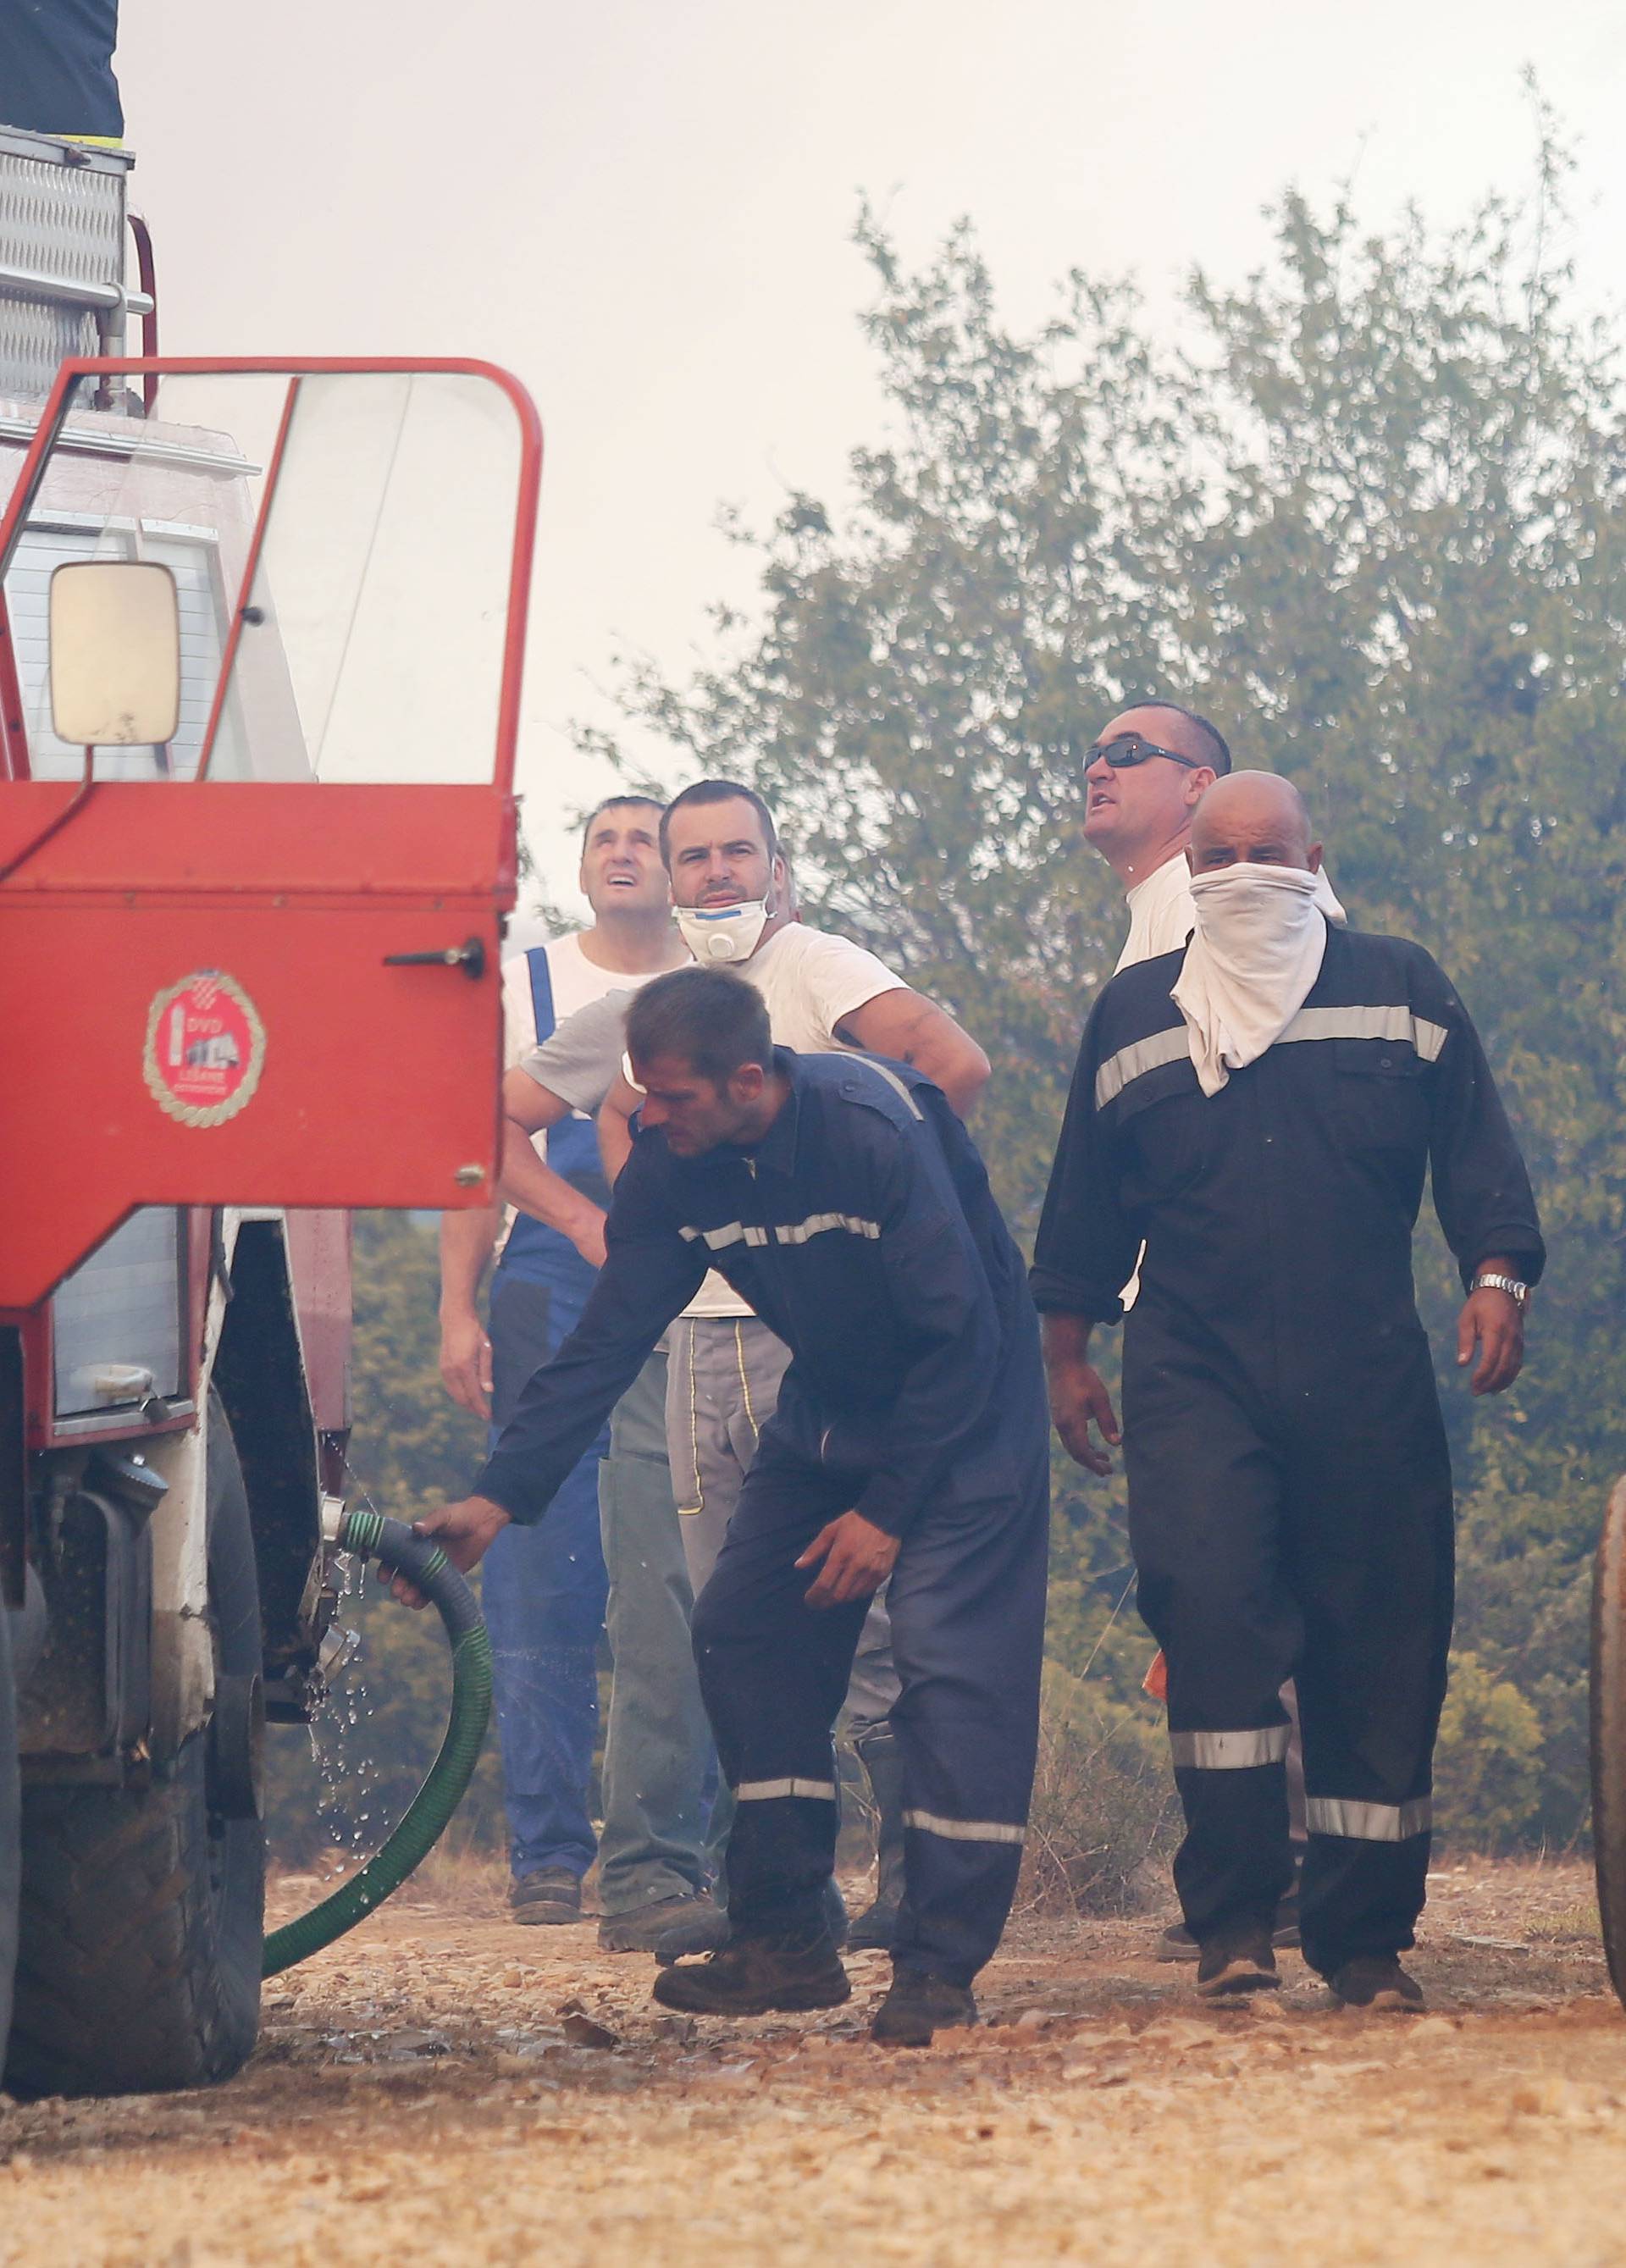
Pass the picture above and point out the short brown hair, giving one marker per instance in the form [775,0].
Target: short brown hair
[719,791]
[715,1022]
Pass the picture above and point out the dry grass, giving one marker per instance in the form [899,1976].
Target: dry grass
[1104,1813]
[457,1876]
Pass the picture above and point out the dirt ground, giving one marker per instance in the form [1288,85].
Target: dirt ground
[446,2086]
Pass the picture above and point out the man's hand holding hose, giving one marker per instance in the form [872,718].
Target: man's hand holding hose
[465,1532]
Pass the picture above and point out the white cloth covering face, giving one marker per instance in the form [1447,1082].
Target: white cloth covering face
[1258,947]
[1160,915]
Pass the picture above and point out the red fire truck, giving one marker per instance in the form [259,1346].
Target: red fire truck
[260,659]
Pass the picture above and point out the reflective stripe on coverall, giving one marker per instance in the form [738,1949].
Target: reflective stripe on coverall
[862,1231]
[1289,1492]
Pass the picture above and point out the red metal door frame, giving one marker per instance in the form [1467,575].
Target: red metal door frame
[153,368]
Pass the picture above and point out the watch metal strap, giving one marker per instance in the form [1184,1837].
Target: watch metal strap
[1492,1282]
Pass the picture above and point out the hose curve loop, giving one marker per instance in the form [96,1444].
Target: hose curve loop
[423,1562]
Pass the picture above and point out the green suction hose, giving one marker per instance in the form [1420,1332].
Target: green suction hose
[399,1552]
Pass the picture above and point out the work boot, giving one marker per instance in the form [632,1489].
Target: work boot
[669,1928]
[918,2004]
[1376,1981]
[552,1894]
[752,1975]
[1237,1960]
[882,1758]
[1178,1944]
[676,1943]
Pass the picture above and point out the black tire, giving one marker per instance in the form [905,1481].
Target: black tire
[142,1910]
[10,1830]
[1608,1733]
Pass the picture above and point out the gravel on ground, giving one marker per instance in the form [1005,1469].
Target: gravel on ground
[447,2087]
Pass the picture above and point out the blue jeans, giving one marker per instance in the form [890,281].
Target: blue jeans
[543,1592]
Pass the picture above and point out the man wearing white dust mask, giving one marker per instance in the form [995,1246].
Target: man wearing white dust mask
[1258,1111]
[734,905]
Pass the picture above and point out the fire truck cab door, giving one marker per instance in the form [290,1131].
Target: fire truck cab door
[257,963]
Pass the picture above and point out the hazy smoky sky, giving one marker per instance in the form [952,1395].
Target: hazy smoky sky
[645,208]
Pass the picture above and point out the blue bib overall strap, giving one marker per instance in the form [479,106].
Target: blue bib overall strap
[572,1153]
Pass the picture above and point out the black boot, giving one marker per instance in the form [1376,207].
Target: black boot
[882,1758]
[675,1943]
[917,2006]
[1237,1959]
[752,1975]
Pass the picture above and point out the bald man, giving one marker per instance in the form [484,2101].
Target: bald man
[1145,774]
[1260,1107]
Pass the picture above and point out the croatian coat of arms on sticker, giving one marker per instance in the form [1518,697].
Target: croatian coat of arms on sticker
[205,1049]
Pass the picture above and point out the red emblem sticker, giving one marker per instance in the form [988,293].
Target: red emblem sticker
[205,1049]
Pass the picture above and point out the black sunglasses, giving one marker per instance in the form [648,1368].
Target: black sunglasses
[1129,749]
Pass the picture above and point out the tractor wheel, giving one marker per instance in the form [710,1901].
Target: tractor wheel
[11,1808]
[1609,1733]
[138,1964]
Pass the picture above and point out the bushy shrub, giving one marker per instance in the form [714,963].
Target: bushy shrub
[1488,1771]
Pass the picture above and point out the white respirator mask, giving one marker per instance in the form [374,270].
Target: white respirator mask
[714,933]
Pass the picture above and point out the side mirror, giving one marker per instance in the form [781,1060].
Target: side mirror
[115,653]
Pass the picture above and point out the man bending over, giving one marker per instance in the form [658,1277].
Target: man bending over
[845,1200]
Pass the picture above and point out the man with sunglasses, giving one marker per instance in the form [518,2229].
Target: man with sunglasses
[1144,779]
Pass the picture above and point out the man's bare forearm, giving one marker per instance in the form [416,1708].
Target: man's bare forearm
[914,1030]
[616,1130]
[535,1189]
[465,1242]
[1066,1342]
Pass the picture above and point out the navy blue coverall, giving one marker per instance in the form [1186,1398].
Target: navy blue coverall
[1289,1484]
[862,1230]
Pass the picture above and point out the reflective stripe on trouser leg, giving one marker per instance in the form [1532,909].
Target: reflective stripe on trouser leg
[1369,1823]
[1365,1877]
[966,1601]
[1231,1751]
[773,1672]
[966,1831]
[1372,1672]
[764,1791]
[1206,1503]
[1232,1785]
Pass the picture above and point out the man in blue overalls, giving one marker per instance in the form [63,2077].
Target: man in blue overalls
[545,1591]
[845,1200]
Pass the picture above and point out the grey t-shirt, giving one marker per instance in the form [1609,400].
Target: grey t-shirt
[578,1063]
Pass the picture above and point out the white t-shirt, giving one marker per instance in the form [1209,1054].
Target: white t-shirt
[809,981]
[1160,915]
[575,982]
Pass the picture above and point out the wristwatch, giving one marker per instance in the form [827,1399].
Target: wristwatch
[1518,1292]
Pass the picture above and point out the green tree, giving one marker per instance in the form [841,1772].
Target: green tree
[1367,513]
[1488,1770]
